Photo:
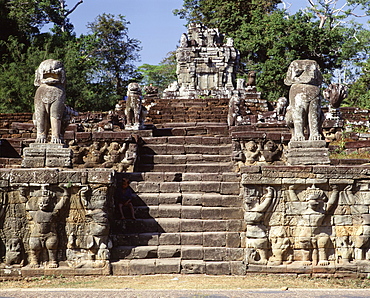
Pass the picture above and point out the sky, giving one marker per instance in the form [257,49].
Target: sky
[151,21]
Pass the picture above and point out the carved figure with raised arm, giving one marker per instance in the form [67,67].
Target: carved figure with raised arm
[256,234]
[43,229]
[313,209]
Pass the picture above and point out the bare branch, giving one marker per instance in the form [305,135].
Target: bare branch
[74,8]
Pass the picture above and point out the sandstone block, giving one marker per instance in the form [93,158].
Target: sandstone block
[121,267]
[169,239]
[145,266]
[215,254]
[214,225]
[143,252]
[169,251]
[168,266]
[169,198]
[192,199]
[191,225]
[189,212]
[233,240]
[210,186]
[211,200]
[169,225]
[192,238]
[148,187]
[211,213]
[238,268]
[232,213]
[193,267]
[169,187]
[214,239]
[192,252]
[150,239]
[235,254]
[230,188]
[218,268]
[169,211]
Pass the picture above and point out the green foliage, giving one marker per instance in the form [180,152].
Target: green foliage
[160,75]
[269,39]
[113,53]
[32,15]
[98,65]
[359,91]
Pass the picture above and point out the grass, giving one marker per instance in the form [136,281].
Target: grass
[196,282]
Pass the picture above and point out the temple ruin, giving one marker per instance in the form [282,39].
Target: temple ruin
[221,183]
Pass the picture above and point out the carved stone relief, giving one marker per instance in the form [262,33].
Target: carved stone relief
[317,225]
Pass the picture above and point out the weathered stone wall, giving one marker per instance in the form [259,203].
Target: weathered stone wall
[54,217]
[316,220]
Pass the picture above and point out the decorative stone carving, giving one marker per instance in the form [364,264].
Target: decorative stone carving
[50,112]
[78,153]
[88,229]
[134,111]
[305,78]
[335,94]
[311,237]
[151,91]
[257,243]
[94,155]
[43,228]
[204,63]
[271,152]
[50,79]
[234,111]
[281,108]
[304,113]
[251,151]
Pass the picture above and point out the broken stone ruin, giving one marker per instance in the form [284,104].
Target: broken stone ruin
[207,179]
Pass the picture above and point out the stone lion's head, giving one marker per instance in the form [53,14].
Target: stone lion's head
[50,72]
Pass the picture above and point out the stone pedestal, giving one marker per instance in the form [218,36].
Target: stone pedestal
[39,155]
[307,153]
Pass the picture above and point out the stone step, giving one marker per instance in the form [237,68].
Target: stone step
[187,199]
[179,211]
[177,177]
[188,140]
[187,168]
[208,216]
[162,149]
[223,188]
[184,252]
[177,266]
[183,159]
[230,239]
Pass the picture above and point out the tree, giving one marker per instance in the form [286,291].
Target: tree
[160,75]
[113,53]
[32,15]
[269,39]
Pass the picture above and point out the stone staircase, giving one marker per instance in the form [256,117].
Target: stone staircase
[167,110]
[188,208]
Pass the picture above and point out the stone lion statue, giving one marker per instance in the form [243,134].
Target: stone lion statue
[50,78]
[134,108]
[304,109]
